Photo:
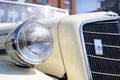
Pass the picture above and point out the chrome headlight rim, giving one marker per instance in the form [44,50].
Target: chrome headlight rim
[19,53]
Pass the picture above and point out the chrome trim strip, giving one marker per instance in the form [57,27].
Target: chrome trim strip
[85,53]
[114,34]
[105,74]
[110,46]
[83,43]
[110,59]
[108,22]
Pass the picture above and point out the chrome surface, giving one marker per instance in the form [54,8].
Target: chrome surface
[30,43]
[101,33]
[104,58]
[106,74]
[89,73]
[107,58]
[105,45]
[85,53]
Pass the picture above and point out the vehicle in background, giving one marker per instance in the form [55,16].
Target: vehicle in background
[16,11]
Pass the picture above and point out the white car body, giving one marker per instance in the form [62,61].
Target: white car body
[68,54]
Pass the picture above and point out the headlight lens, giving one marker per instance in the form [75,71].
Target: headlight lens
[30,43]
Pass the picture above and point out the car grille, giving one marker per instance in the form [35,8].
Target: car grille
[107,65]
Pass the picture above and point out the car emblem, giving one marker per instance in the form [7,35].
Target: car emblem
[98,47]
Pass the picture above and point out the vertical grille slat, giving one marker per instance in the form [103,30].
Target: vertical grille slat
[106,66]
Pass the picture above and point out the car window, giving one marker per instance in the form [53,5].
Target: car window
[11,12]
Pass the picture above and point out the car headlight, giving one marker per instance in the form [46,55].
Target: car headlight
[30,43]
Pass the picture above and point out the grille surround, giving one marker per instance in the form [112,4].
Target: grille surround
[108,32]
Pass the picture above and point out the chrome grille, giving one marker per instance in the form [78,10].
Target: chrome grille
[106,66]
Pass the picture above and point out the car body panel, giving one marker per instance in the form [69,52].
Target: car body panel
[8,70]
[68,55]
[54,64]
[70,43]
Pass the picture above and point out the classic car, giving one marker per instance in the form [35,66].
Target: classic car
[72,47]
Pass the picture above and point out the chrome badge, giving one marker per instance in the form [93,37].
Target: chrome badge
[98,47]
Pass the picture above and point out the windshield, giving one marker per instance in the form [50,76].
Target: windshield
[11,12]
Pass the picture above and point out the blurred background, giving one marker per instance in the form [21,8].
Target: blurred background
[72,6]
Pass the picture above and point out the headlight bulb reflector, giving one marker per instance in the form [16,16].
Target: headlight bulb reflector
[31,42]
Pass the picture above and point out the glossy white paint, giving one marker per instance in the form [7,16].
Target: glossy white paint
[54,64]
[68,55]
[71,45]
[8,71]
